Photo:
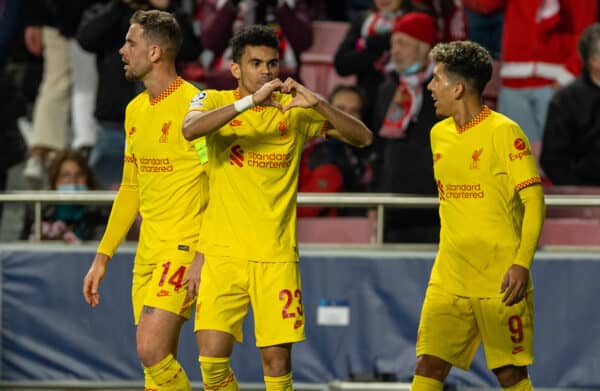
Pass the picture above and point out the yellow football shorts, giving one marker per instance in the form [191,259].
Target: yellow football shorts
[452,327]
[228,285]
[158,282]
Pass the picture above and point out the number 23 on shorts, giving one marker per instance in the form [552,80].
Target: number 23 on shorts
[292,303]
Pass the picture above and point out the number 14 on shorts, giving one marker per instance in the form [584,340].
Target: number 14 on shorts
[175,278]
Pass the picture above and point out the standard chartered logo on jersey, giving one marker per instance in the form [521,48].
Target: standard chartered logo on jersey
[152,164]
[241,158]
[455,191]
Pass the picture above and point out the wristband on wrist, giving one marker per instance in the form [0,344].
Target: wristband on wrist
[244,104]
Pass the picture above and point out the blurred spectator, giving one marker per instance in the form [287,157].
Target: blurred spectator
[404,115]
[67,86]
[356,163]
[330,166]
[222,18]
[10,16]
[12,148]
[539,54]
[68,172]
[349,99]
[339,10]
[101,32]
[571,147]
[450,18]
[364,52]
[336,10]
[485,29]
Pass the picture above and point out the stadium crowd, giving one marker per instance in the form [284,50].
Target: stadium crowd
[64,88]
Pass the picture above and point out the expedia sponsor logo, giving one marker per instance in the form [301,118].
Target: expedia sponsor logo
[519,155]
[459,191]
[236,156]
[147,164]
[523,151]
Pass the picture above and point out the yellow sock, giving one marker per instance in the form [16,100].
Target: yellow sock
[523,385]
[279,383]
[168,375]
[149,385]
[422,383]
[217,375]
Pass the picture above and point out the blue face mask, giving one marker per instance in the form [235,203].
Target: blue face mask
[66,188]
[411,70]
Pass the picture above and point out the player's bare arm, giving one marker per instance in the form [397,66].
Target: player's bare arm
[92,279]
[197,123]
[346,127]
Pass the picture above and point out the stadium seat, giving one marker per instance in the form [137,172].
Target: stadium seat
[573,211]
[570,232]
[334,230]
[316,70]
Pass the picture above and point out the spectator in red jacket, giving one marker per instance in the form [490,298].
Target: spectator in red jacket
[539,54]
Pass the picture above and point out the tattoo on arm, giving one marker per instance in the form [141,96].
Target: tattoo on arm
[147,310]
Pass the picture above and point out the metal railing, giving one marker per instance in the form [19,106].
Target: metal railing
[339,200]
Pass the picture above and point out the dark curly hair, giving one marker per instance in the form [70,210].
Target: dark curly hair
[161,28]
[466,60]
[79,159]
[255,35]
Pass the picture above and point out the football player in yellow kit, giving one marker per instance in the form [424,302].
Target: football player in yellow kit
[492,211]
[255,136]
[165,180]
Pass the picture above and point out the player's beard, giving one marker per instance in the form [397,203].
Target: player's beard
[130,75]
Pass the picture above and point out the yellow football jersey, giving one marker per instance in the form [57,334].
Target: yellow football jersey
[170,175]
[479,170]
[254,163]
